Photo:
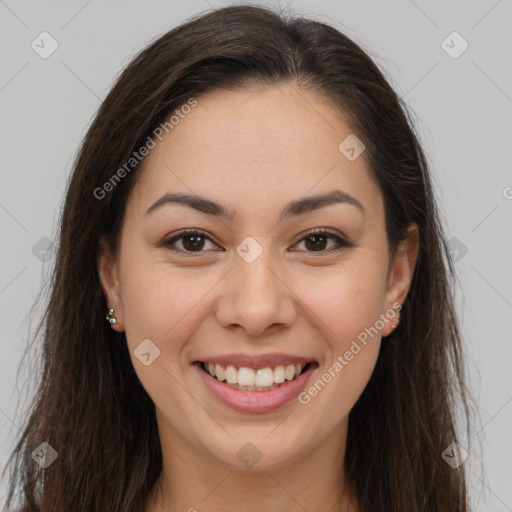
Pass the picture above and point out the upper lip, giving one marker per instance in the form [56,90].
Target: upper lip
[256,362]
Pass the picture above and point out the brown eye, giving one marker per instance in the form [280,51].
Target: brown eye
[193,242]
[318,241]
[190,241]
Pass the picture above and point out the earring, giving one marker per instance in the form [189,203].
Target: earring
[110,317]
[397,312]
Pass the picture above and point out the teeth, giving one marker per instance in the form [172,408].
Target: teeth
[246,377]
[219,372]
[254,380]
[264,378]
[279,374]
[289,372]
[231,375]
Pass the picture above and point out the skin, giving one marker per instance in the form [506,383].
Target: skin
[253,151]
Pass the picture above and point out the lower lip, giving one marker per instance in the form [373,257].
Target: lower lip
[255,401]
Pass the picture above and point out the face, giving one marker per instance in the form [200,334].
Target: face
[266,277]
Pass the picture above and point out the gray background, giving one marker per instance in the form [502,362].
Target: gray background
[463,108]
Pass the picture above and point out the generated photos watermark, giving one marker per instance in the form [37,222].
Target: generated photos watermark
[137,156]
[355,347]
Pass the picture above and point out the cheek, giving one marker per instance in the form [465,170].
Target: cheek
[347,302]
[147,302]
[163,304]
[155,297]
[347,307]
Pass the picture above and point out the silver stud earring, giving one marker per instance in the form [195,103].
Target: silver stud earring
[110,317]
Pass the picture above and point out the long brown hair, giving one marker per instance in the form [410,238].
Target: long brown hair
[90,406]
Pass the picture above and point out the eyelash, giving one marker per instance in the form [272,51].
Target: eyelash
[342,243]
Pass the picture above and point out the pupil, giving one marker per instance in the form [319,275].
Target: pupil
[196,244]
[317,244]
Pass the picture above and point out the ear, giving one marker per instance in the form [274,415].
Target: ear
[400,275]
[109,277]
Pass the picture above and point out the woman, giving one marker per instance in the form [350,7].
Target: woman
[251,304]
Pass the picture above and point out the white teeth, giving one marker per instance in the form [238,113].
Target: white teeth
[289,372]
[246,377]
[250,379]
[219,372]
[231,375]
[279,374]
[264,378]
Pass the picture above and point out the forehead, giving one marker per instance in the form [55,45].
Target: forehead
[273,144]
[283,122]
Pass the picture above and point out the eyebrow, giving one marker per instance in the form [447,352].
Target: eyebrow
[292,209]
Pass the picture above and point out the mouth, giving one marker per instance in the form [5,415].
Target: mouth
[258,387]
[251,379]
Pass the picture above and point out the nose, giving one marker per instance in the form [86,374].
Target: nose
[256,298]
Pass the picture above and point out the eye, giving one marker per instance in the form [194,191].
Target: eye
[317,240]
[190,240]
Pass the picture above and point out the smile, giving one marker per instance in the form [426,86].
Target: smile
[249,379]
[257,385]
